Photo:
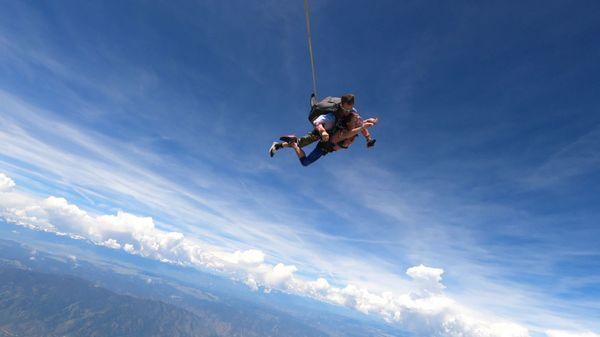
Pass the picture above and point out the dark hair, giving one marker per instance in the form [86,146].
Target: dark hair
[348,99]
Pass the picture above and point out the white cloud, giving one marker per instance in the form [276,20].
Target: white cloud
[251,283]
[248,257]
[278,276]
[428,279]
[111,243]
[6,183]
[425,310]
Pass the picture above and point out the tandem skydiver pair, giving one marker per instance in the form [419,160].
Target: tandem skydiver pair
[336,125]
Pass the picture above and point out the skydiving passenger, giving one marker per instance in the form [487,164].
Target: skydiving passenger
[326,121]
[341,139]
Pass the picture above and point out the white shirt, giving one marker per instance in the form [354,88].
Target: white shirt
[327,121]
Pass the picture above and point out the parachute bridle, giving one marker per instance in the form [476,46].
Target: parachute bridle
[310,49]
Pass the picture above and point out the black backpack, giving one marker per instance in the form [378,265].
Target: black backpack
[325,106]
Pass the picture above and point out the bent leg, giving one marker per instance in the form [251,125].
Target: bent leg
[308,139]
[317,153]
[299,152]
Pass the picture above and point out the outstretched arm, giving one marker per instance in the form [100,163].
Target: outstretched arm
[345,134]
[365,133]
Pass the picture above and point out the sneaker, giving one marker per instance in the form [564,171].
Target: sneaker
[274,147]
[371,143]
[289,139]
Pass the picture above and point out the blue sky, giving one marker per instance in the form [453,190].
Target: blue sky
[487,160]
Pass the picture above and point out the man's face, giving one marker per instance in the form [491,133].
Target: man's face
[347,107]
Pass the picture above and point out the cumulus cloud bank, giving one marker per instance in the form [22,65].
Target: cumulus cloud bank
[426,310]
